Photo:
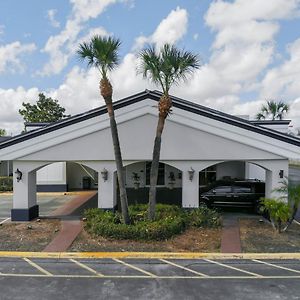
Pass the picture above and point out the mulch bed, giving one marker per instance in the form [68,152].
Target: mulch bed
[259,236]
[27,236]
[192,240]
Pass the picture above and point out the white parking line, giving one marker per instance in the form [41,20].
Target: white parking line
[37,267]
[134,267]
[148,277]
[7,219]
[184,268]
[276,266]
[86,267]
[233,268]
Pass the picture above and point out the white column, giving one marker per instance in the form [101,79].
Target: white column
[274,170]
[106,189]
[24,196]
[190,190]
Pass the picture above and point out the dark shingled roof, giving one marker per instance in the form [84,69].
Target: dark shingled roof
[155,95]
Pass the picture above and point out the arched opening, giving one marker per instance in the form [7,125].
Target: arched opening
[232,184]
[63,188]
[137,180]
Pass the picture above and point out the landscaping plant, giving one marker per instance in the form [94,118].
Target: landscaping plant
[278,211]
[169,221]
[102,53]
[166,67]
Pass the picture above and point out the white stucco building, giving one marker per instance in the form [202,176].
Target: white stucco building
[211,143]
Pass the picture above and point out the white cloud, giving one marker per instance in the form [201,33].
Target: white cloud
[170,30]
[51,16]
[92,32]
[10,56]
[11,102]
[61,46]
[283,81]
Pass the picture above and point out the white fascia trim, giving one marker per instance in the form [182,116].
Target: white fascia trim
[72,132]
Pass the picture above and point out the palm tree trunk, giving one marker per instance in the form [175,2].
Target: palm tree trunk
[106,92]
[119,164]
[154,167]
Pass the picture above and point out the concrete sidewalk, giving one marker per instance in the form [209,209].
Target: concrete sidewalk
[71,224]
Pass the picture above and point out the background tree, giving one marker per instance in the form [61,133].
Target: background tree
[102,53]
[2,132]
[45,110]
[165,68]
[273,110]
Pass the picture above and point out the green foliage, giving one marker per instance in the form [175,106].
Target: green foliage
[45,110]
[6,183]
[168,66]
[100,52]
[278,211]
[2,132]
[169,221]
[273,110]
[204,217]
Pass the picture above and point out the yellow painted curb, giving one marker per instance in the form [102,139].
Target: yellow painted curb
[151,255]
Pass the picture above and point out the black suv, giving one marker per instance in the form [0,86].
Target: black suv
[238,193]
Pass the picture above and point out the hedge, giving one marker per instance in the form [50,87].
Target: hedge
[169,221]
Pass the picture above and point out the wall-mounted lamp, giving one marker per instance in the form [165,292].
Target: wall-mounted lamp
[104,174]
[191,174]
[281,174]
[19,175]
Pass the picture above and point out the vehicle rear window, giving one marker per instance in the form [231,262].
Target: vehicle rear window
[242,189]
[222,189]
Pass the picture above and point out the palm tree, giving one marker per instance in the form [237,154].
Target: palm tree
[102,53]
[273,109]
[167,67]
[291,191]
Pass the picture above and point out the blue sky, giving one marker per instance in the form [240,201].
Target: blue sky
[250,51]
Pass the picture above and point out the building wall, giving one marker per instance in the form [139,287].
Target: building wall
[232,169]
[76,173]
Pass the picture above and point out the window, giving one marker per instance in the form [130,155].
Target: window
[161,173]
[242,189]
[222,189]
[208,176]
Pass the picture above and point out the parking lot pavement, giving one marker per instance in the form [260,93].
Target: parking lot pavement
[45,278]
[47,203]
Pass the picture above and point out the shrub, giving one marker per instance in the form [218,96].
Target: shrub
[169,221]
[204,217]
[6,183]
[278,211]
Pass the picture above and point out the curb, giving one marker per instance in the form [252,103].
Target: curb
[151,255]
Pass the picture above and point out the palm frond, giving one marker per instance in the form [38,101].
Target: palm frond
[167,66]
[100,52]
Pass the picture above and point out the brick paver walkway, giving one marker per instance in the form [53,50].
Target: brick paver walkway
[230,240]
[70,228]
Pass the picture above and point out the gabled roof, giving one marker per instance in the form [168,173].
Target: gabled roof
[155,95]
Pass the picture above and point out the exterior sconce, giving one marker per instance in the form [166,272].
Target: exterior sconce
[19,175]
[191,174]
[136,180]
[281,173]
[104,174]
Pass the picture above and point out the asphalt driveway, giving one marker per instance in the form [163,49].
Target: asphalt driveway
[45,278]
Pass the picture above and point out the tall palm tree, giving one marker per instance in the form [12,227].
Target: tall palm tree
[165,68]
[102,53]
[274,110]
